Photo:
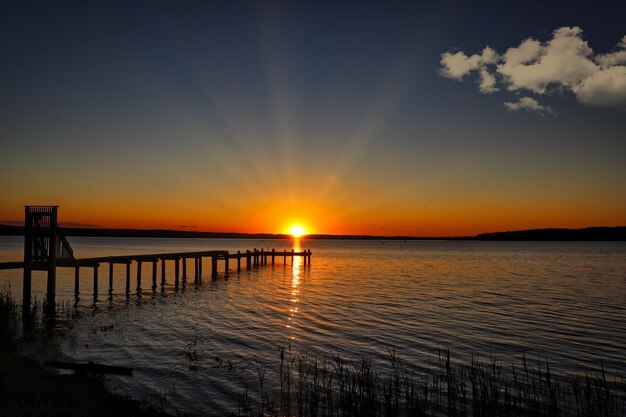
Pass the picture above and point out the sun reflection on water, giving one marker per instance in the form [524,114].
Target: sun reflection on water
[296,272]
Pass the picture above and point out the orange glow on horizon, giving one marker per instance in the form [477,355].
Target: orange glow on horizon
[334,214]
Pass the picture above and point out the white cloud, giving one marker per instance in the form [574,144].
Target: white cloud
[606,88]
[487,82]
[528,51]
[458,65]
[528,104]
[615,58]
[564,63]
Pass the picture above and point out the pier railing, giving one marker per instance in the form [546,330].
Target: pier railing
[64,249]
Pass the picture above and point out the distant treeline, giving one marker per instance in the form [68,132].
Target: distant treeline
[101,232]
[589,233]
[8,230]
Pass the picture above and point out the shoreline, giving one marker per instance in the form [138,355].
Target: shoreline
[617,233]
[29,388]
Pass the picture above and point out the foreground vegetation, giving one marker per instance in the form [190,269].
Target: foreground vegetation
[28,389]
[316,388]
[312,387]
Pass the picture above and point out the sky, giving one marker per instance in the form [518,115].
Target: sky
[381,118]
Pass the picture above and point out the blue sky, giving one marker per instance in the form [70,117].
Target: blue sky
[334,114]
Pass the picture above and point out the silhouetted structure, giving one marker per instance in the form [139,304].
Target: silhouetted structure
[46,248]
[43,246]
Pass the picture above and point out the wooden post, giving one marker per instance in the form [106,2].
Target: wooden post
[273,254]
[162,272]
[52,261]
[285,257]
[226,263]
[154,274]
[292,251]
[127,277]
[176,271]
[184,269]
[110,277]
[95,280]
[200,268]
[28,250]
[76,279]
[195,269]
[214,266]
[138,275]
[238,261]
[248,259]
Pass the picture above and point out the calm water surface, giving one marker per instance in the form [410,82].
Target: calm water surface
[562,301]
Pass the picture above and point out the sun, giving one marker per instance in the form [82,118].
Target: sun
[297,230]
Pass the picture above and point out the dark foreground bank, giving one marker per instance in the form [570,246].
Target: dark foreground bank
[28,389]
[333,387]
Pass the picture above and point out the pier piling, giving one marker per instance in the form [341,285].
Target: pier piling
[76,280]
[138,276]
[127,277]
[176,272]
[45,249]
[111,277]
[213,266]
[154,274]
[95,281]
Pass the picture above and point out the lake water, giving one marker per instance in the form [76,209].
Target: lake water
[560,301]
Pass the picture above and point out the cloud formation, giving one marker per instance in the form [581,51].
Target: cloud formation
[528,104]
[564,63]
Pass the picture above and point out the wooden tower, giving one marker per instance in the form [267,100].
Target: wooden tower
[43,245]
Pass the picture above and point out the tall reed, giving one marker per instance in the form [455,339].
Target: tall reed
[8,315]
[336,387]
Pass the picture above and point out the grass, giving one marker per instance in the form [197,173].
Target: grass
[313,387]
[28,389]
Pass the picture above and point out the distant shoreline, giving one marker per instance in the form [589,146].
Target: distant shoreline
[554,234]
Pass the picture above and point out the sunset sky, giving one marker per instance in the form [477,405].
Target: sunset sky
[402,118]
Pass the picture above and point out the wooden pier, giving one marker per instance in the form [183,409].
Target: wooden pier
[45,248]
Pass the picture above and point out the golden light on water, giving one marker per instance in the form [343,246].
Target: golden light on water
[295,283]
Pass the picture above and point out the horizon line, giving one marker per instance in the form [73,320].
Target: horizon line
[191,233]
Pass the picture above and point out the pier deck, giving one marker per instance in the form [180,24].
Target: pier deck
[254,258]
[46,248]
